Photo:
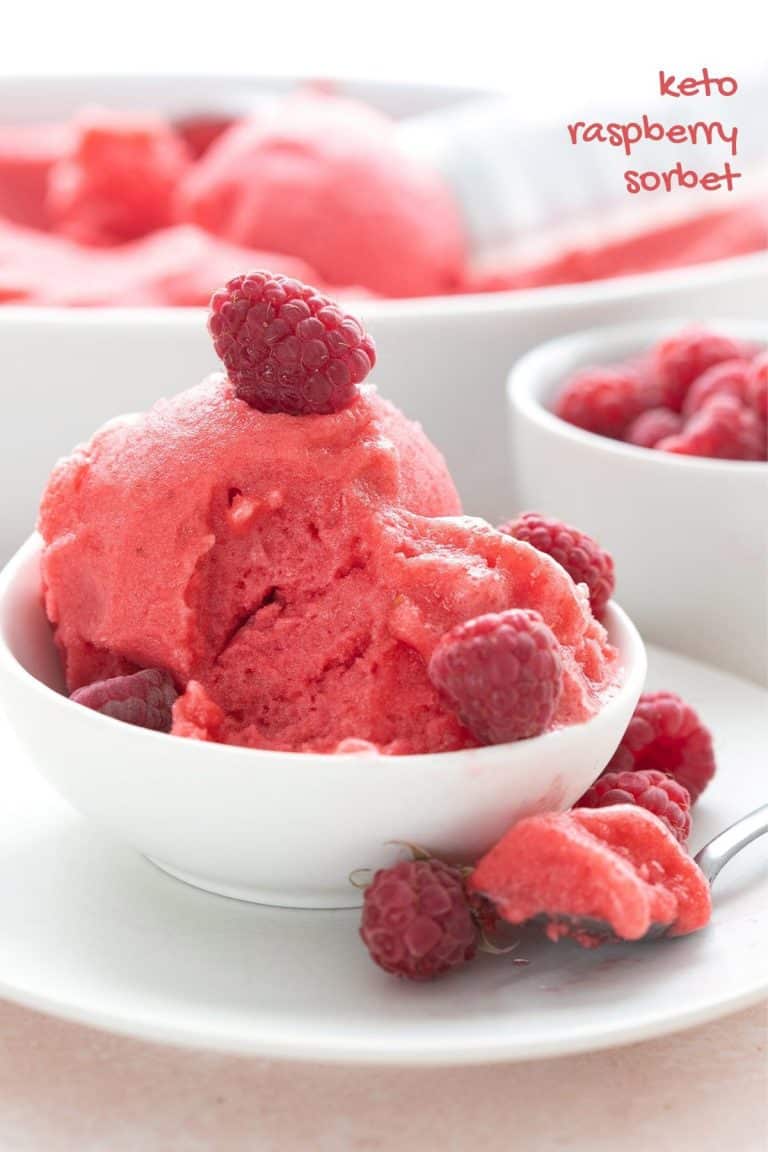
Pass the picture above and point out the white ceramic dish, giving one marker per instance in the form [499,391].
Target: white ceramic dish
[284,828]
[41,98]
[443,360]
[689,535]
[93,932]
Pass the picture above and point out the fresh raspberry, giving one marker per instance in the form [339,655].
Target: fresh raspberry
[757,388]
[417,920]
[656,791]
[604,400]
[146,698]
[665,734]
[581,556]
[729,378]
[652,426]
[286,348]
[501,673]
[119,181]
[682,358]
[723,429]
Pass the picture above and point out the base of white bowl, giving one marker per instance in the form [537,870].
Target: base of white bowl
[276,898]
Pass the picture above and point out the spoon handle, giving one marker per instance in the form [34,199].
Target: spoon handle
[726,844]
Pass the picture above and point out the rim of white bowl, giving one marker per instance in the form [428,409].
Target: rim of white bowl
[537,371]
[637,287]
[622,633]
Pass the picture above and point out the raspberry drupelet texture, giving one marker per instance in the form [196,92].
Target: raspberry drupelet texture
[652,426]
[666,734]
[729,378]
[417,922]
[501,673]
[145,698]
[722,429]
[581,556]
[286,347]
[655,791]
[681,359]
[604,400]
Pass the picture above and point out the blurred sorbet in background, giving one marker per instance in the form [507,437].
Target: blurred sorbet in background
[132,209]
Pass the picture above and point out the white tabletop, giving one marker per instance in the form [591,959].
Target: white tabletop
[65,1088]
[489,46]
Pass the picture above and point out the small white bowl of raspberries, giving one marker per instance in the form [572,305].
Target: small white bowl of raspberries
[652,438]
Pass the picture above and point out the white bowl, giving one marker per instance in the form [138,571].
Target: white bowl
[284,828]
[443,361]
[689,535]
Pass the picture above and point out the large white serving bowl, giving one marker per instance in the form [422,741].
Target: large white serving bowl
[284,828]
[443,360]
[689,535]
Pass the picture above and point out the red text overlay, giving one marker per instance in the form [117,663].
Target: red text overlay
[627,135]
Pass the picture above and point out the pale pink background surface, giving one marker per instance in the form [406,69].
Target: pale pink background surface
[64,1088]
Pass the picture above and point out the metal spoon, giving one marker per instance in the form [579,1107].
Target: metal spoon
[723,847]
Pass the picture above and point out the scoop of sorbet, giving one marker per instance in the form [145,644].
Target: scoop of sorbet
[322,178]
[595,875]
[117,181]
[293,571]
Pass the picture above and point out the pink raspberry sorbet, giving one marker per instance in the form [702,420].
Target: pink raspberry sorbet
[292,573]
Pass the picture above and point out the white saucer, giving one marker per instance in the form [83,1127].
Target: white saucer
[91,931]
